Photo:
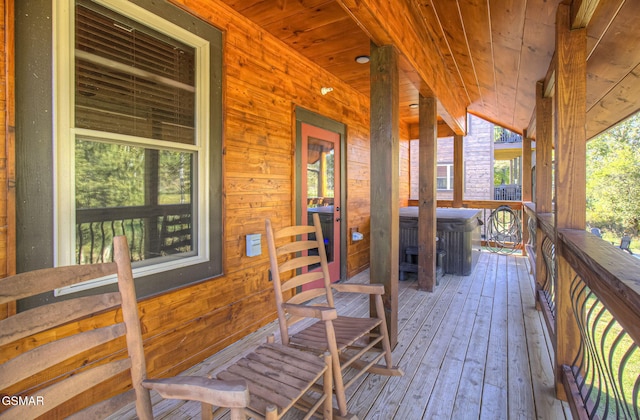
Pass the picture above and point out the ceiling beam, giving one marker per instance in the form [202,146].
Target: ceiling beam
[443,130]
[581,12]
[401,25]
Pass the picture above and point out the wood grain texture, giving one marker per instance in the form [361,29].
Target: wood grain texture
[544,174]
[427,194]
[570,174]
[458,170]
[263,79]
[401,24]
[7,153]
[612,65]
[570,123]
[384,179]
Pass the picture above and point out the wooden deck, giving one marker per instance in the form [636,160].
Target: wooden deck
[475,348]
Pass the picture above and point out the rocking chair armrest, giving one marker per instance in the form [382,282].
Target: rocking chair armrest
[371,289]
[323,313]
[229,394]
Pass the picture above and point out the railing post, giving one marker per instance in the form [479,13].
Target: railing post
[427,193]
[385,217]
[458,173]
[544,143]
[526,186]
[570,174]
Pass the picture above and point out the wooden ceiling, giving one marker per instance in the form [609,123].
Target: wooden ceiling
[484,56]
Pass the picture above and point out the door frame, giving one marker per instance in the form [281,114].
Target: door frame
[304,116]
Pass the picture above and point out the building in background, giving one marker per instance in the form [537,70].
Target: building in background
[492,164]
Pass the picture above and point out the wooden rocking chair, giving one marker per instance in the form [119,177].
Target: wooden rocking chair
[49,356]
[347,339]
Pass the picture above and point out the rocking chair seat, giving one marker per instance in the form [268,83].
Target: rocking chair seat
[279,375]
[348,331]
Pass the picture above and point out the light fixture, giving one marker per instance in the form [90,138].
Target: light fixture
[413,106]
[326,90]
[362,59]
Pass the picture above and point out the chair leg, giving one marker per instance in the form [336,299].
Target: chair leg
[328,388]
[272,413]
[338,383]
[386,344]
[206,412]
[237,414]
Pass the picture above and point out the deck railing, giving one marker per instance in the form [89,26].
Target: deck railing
[506,234]
[603,378]
[502,135]
[511,192]
[151,231]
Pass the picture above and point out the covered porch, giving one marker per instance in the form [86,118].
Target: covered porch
[474,348]
[558,72]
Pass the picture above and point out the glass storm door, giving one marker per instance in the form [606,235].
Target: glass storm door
[321,188]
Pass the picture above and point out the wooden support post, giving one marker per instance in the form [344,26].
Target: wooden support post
[544,165]
[385,151]
[526,186]
[458,173]
[427,199]
[8,175]
[570,173]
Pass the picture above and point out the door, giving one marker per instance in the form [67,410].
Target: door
[320,175]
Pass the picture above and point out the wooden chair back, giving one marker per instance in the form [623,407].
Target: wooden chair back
[625,243]
[39,347]
[301,261]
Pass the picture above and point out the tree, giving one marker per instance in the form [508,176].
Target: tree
[613,179]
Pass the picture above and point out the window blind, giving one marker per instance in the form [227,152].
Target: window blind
[132,80]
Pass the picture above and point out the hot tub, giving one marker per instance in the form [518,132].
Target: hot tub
[458,232]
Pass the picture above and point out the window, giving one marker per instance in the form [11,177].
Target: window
[136,140]
[445,176]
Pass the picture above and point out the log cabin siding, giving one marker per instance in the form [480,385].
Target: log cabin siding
[264,81]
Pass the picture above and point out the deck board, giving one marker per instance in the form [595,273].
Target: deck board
[474,348]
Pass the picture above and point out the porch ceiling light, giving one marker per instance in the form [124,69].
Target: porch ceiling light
[362,59]
[413,106]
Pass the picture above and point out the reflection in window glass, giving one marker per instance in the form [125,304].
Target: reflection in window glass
[142,193]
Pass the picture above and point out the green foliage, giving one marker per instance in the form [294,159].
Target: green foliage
[501,172]
[108,175]
[113,175]
[613,179]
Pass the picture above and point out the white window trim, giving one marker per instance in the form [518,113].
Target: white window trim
[449,167]
[65,135]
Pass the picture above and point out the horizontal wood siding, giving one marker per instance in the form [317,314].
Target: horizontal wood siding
[264,81]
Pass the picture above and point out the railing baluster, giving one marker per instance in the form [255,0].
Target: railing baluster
[103,242]
[636,397]
[133,237]
[80,245]
[92,243]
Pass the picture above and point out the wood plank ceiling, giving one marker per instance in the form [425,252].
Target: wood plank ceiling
[494,50]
